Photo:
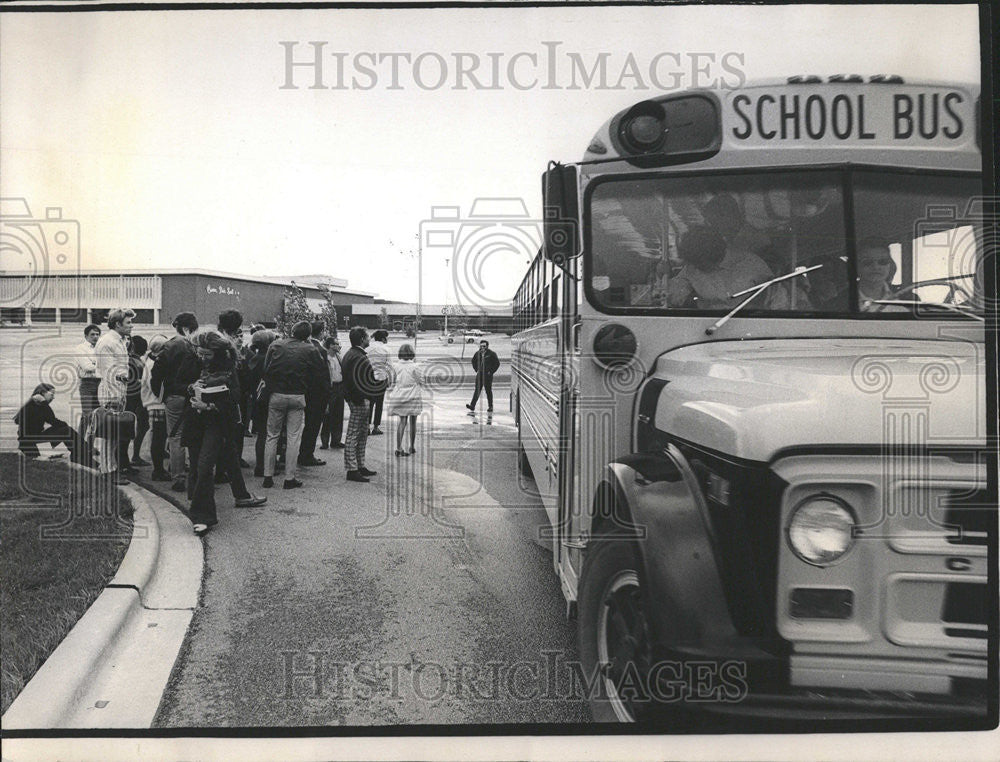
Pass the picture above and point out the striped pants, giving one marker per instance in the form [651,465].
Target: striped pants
[357,436]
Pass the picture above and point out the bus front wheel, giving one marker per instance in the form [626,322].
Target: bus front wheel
[614,636]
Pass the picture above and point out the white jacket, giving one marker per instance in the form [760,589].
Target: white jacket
[150,401]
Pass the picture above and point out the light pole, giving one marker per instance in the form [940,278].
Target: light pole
[420,290]
[447,308]
[420,282]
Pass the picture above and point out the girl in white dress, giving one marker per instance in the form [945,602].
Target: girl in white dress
[406,398]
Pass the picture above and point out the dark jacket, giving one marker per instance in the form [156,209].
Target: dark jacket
[291,365]
[136,369]
[255,374]
[226,406]
[491,365]
[319,384]
[175,369]
[32,418]
[359,377]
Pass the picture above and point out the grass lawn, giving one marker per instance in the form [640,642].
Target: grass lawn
[61,541]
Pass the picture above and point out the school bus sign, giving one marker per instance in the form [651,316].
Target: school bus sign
[873,116]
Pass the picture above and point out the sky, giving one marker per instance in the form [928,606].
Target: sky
[182,139]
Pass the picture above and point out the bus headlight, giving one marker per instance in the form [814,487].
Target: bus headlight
[819,530]
[614,346]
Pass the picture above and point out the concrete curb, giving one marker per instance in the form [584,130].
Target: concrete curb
[139,563]
[112,667]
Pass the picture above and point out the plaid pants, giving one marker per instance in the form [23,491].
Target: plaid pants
[357,436]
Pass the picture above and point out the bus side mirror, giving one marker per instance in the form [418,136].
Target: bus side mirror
[559,203]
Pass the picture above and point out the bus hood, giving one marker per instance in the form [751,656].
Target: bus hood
[751,399]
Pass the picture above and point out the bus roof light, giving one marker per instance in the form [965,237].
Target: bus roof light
[886,79]
[854,78]
[671,129]
[804,79]
[643,129]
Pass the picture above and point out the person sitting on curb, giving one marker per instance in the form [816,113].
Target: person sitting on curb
[37,423]
[485,362]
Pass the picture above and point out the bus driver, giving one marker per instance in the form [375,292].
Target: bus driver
[876,270]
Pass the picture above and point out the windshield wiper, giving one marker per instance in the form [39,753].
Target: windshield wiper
[958,309]
[757,290]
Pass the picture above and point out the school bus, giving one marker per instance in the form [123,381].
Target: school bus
[750,382]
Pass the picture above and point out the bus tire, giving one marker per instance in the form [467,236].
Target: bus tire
[451,340]
[612,629]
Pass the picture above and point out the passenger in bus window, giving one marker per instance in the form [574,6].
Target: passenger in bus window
[792,294]
[876,269]
[660,285]
[829,286]
[711,274]
[722,213]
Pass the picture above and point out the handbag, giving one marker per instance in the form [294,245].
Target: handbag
[109,423]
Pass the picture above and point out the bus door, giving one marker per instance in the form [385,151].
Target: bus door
[566,545]
[562,242]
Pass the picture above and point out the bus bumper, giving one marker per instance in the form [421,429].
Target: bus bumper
[749,690]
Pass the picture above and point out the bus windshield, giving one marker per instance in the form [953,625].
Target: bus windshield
[689,243]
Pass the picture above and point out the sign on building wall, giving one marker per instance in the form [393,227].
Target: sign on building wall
[222,290]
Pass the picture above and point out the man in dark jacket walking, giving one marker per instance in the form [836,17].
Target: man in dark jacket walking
[485,362]
[360,387]
[175,369]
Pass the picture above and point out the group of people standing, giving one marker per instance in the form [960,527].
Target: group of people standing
[202,392]
[109,366]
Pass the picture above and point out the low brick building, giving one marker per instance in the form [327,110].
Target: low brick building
[158,296]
